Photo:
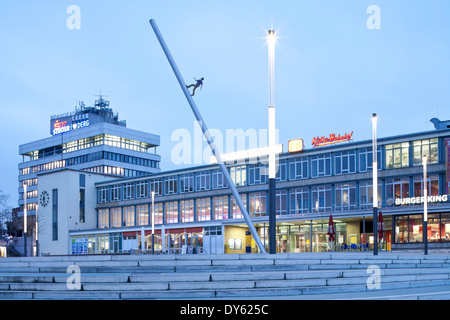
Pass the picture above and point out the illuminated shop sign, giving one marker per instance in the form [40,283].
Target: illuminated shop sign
[66,126]
[420,200]
[295,145]
[323,141]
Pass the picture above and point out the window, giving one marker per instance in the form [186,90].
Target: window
[171,185]
[345,162]
[82,203]
[128,191]
[187,210]
[158,212]
[345,196]
[203,181]
[220,207]
[235,210]
[142,215]
[397,155]
[187,183]
[142,189]
[171,212]
[258,174]
[428,147]
[218,180]
[103,218]
[298,168]
[238,175]
[156,186]
[116,217]
[55,214]
[396,189]
[128,216]
[366,160]
[115,192]
[282,171]
[321,199]
[321,165]
[103,194]
[203,206]
[432,186]
[281,202]
[366,194]
[257,205]
[299,200]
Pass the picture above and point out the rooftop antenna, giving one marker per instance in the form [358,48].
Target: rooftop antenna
[102,103]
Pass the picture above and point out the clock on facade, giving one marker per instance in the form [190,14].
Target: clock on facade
[44,198]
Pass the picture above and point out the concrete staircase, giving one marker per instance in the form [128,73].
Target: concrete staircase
[228,276]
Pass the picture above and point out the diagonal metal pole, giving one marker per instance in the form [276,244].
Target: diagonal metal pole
[208,137]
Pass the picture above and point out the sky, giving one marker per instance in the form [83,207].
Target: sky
[331,70]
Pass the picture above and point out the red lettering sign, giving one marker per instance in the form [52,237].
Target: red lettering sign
[322,141]
[58,125]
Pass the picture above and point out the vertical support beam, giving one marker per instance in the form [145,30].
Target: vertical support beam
[375,184]
[208,137]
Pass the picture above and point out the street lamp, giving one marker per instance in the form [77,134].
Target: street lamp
[25,219]
[425,206]
[153,222]
[271,40]
[375,183]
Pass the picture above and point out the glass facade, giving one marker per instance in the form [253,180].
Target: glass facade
[311,186]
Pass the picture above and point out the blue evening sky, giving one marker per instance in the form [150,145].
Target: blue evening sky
[332,72]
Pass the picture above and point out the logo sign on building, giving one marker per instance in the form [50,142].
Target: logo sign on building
[332,138]
[63,125]
[420,200]
[295,145]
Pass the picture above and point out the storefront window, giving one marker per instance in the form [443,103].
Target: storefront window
[401,229]
[415,228]
[433,232]
[445,226]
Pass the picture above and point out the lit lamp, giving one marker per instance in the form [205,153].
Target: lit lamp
[425,206]
[153,222]
[25,219]
[375,183]
[271,41]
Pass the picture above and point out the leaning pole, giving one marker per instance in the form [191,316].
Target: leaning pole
[208,138]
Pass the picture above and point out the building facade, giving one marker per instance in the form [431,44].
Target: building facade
[91,139]
[194,210]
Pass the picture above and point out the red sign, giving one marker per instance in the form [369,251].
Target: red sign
[322,141]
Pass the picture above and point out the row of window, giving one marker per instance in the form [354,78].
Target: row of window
[302,200]
[89,158]
[302,167]
[102,139]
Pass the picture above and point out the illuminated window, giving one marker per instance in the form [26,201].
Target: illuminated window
[397,155]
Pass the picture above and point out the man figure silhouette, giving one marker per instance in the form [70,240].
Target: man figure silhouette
[199,83]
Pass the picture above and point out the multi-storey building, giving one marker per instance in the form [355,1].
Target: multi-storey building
[193,208]
[91,139]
